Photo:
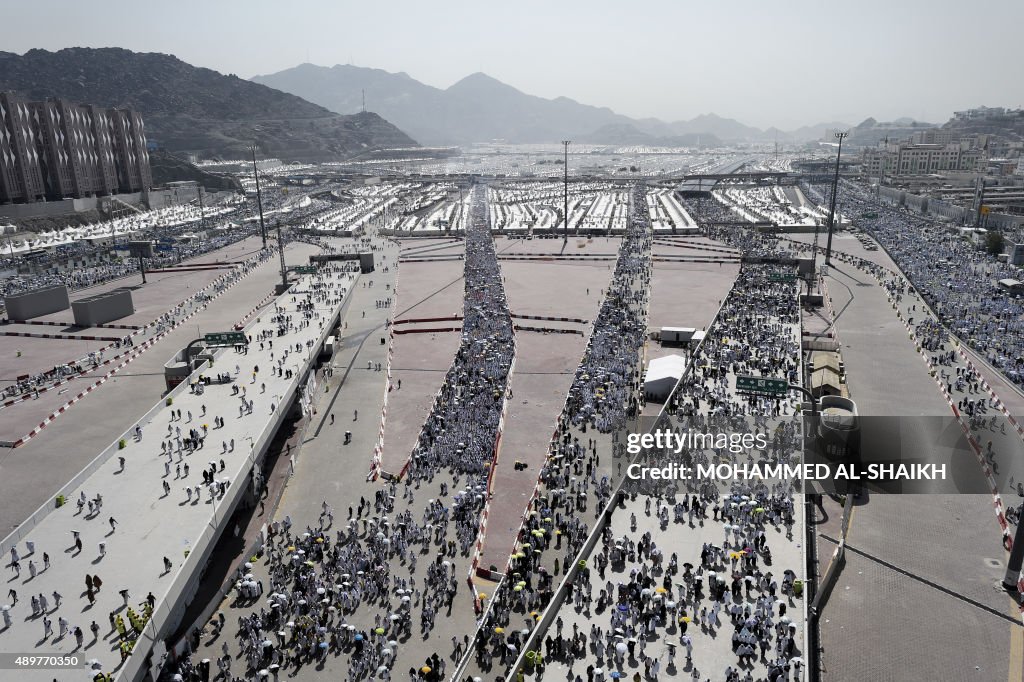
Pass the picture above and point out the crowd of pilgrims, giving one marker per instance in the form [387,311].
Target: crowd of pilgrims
[460,431]
[605,387]
[354,593]
[650,608]
[664,599]
[360,593]
[719,221]
[756,333]
[572,485]
[953,276]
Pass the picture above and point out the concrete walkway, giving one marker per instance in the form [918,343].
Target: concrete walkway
[151,524]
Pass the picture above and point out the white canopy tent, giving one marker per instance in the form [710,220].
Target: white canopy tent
[662,375]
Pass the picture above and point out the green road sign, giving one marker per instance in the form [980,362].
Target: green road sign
[304,269]
[782,277]
[762,386]
[225,338]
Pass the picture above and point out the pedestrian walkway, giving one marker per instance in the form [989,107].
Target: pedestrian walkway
[168,486]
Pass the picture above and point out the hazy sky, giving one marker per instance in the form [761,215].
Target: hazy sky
[785,63]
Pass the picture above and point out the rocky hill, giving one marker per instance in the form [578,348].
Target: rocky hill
[187,108]
[167,167]
[480,108]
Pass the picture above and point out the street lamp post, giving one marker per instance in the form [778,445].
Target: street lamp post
[832,204]
[259,197]
[565,185]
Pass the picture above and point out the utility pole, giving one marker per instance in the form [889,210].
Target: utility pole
[280,251]
[565,185]
[832,204]
[259,197]
[202,210]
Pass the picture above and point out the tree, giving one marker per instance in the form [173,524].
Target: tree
[994,242]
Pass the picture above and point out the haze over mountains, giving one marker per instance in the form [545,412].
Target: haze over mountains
[479,108]
[186,108]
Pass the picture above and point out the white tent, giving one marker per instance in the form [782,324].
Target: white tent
[662,375]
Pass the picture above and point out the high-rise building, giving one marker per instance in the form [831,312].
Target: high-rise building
[129,141]
[21,174]
[57,150]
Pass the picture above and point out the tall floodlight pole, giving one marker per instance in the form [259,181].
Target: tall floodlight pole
[565,185]
[832,204]
[259,197]
[981,202]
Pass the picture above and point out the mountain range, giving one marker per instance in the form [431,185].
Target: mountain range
[191,109]
[480,108]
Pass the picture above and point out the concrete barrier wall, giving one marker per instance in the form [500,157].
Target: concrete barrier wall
[103,308]
[37,302]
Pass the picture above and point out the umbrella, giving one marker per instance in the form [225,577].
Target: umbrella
[425,669]
[322,645]
[379,631]
[660,590]
[359,638]
[621,647]
[499,630]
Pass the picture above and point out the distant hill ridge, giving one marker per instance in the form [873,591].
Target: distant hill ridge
[480,108]
[193,109]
